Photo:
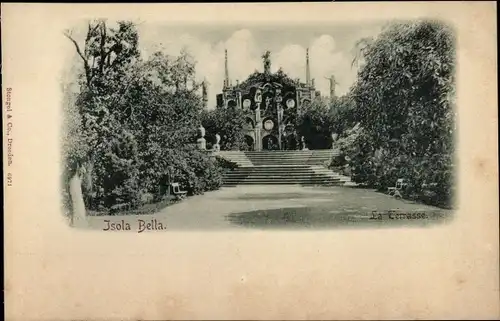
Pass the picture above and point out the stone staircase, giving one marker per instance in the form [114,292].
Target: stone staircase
[237,157]
[281,167]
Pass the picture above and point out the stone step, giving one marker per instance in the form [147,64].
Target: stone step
[271,154]
[267,174]
[286,151]
[280,167]
[278,182]
[281,178]
[236,178]
[287,157]
[274,166]
[284,183]
[285,161]
[288,162]
[279,173]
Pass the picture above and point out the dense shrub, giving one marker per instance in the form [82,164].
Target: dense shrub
[228,123]
[224,164]
[130,122]
[195,171]
[404,99]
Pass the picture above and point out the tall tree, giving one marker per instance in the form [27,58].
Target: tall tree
[404,100]
[109,57]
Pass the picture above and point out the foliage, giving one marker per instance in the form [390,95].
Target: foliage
[131,120]
[324,117]
[404,102]
[342,114]
[315,124]
[228,123]
[225,164]
[194,170]
[258,78]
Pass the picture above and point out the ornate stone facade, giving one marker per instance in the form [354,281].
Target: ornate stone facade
[271,102]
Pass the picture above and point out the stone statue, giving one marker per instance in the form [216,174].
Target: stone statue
[258,101]
[267,62]
[204,93]
[280,112]
[334,138]
[204,88]
[216,146]
[258,96]
[303,143]
[201,142]
[268,102]
[333,83]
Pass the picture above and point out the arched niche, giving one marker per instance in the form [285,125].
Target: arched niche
[249,143]
[249,124]
[231,103]
[267,88]
[270,142]
[267,101]
[306,102]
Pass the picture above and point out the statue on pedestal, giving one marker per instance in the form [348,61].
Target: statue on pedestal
[303,143]
[333,83]
[334,139]
[258,101]
[201,142]
[268,102]
[266,57]
[216,146]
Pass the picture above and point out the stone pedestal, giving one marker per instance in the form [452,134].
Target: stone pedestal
[201,143]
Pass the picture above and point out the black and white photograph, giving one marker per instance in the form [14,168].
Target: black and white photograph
[250,161]
[259,127]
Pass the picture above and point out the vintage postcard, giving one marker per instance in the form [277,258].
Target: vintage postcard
[250,161]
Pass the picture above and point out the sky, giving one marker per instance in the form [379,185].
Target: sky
[330,50]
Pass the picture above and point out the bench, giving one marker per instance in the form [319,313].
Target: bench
[119,208]
[428,190]
[396,190]
[176,191]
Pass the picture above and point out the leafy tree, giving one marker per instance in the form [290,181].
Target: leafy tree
[342,114]
[228,123]
[259,78]
[128,128]
[169,117]
[404,102]
[316,123]
[107,57]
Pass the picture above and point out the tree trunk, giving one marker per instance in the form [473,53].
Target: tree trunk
[79,214]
